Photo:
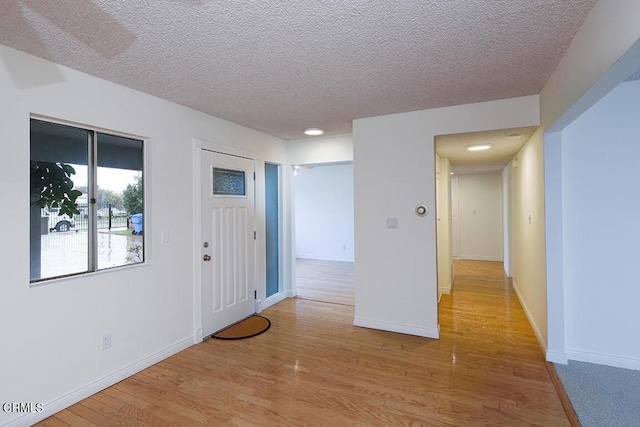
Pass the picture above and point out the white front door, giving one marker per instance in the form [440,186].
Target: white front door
[228,266]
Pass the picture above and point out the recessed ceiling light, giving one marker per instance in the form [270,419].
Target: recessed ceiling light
[478,147]
[313,131]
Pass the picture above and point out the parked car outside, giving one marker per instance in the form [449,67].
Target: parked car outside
[115,212]
[57,222]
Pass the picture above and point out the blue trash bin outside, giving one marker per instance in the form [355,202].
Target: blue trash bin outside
[136,220]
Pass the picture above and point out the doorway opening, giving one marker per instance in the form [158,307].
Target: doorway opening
[324,232]
[473,201]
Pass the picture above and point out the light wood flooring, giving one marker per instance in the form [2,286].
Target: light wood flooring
[314,368]
[326,281]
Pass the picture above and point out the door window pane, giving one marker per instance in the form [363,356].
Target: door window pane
[228,182]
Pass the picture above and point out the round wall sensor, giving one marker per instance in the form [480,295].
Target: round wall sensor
[422,210]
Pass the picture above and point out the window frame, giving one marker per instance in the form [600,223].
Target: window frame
[92,190]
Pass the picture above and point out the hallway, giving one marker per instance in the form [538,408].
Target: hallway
[487,332]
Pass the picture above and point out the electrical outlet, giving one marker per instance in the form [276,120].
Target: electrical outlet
[392,223]
[106,341]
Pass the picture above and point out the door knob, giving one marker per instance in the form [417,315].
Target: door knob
[206,258]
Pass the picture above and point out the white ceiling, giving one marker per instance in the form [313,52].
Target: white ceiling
[504,145]
[280,67]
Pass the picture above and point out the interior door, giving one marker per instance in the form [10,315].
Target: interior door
[228,245]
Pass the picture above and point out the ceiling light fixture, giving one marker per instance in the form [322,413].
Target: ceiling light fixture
[313,131]
[478,147]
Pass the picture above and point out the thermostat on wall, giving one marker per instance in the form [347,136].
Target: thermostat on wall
[422,210]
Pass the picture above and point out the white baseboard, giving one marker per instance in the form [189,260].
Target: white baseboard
[481,258]
[198,337]
[557,357]
[604,359]
[272,300]
[325,257]
[445,290]
[398,327]
[534,326]
[57,405]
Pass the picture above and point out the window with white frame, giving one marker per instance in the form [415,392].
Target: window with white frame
[86,200]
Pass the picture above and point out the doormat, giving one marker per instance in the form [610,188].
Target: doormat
[247,328]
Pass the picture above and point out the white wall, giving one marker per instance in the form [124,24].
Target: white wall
[455,220]
[324,212]
[51,339]
[506,219]
[320,150]
[602,230]
[603,53]
[396,284]
[444,232]
[528,234]
[480,216]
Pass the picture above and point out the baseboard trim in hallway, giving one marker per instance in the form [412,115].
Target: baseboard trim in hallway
[527,312]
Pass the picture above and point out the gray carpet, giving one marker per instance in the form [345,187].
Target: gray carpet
[602,395]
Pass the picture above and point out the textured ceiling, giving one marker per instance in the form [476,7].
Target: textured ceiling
[280,67]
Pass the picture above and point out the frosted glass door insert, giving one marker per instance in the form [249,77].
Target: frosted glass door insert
[228,182]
